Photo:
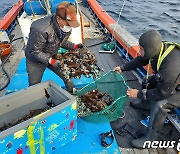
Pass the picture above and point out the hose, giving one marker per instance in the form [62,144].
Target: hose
[4,70]
[96,44]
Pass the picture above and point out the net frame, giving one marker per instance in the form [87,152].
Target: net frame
[115,110]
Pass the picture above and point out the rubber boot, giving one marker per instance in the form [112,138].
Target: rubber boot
[140,105]
[151,135]
[157,116]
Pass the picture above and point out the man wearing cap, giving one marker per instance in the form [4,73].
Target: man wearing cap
[46,36]
[161,92]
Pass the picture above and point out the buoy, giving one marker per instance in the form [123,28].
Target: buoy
[5,49]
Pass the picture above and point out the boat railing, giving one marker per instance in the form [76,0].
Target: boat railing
[9,21]
[126,44]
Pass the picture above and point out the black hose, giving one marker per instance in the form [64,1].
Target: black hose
[97,43]
[16,39]
[7,75]
[2,65]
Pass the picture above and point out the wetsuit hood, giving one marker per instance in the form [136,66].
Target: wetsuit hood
[151,42]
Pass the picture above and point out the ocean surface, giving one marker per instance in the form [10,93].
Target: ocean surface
[5,6]
[137,16]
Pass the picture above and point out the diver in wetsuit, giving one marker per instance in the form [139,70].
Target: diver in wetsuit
[46,36]
[160,92]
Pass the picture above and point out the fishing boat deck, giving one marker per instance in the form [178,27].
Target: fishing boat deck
[106,61]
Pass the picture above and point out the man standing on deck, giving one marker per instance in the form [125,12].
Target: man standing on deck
[46,36]
[161,92]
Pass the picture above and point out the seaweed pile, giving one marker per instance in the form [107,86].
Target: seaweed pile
[93,101]
[78,62]
[32,113]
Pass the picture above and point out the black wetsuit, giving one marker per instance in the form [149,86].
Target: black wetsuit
[164,95]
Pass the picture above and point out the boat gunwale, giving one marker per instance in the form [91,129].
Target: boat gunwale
[11,15]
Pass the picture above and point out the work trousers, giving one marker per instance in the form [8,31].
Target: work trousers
[159,110]
[36,70]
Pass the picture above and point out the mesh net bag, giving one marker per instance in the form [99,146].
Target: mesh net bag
[111,83]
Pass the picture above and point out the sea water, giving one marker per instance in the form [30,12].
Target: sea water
[137,16]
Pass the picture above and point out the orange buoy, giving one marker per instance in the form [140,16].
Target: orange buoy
[5,49]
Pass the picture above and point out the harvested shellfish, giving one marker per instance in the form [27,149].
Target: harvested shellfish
[78,62]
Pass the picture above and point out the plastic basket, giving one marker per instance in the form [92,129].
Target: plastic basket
[108,46]
[115,85]
[62,50]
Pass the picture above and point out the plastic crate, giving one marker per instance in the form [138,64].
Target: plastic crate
[43,133]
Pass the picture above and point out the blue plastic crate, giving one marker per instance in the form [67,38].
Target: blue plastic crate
[43,133]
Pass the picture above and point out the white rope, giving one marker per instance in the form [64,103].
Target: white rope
[48,7]
[31,8]
[125,83]
[127,54]
[120,13]
[42,5]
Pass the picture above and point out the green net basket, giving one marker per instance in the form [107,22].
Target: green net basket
[115,85]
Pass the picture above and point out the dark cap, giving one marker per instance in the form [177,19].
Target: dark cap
[151,42]
[70,14]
